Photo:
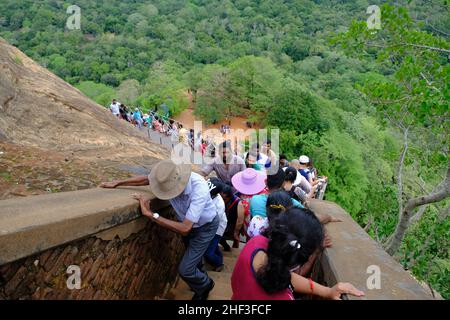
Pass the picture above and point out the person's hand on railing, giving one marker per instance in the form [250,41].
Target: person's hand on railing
[327,243]
[143,199]
[343,288]
[334,219]
[111,184]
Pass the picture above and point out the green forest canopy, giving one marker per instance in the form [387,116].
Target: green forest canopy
[251,57]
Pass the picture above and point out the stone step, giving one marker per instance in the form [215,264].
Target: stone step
[227,268]
[182,294]
[222,289]
[233,254]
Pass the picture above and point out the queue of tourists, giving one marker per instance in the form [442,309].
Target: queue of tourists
[260,199]
[140,119]
[161,124]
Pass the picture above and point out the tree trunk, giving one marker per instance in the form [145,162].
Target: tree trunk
[413,203]
[401,162]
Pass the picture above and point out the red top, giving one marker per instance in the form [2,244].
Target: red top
[243,279]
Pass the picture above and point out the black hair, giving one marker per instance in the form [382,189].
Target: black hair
[277,202]
[227,189]
[275,181]
[225,145]
[293,237]
[282,157]
[291,174]
[246,160]
[247,165]
[215,186]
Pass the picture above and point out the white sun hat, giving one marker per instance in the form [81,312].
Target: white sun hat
[303,159]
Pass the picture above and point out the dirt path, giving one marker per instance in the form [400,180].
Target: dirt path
[187,118]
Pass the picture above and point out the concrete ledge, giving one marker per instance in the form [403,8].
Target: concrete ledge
[32,224]
[353,251]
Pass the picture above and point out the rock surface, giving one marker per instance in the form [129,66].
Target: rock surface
[47,124]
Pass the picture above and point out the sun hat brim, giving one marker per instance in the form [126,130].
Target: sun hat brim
[256,187]
[178,186]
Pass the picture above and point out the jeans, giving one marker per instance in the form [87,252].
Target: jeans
[196,243]
[213,254]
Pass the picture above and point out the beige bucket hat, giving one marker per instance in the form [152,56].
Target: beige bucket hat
[168,180]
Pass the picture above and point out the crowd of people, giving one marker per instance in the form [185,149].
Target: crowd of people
[162,124]
[259,199]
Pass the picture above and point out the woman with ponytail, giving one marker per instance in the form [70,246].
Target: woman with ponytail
[272,266]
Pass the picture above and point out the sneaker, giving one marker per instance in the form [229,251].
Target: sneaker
[204,295]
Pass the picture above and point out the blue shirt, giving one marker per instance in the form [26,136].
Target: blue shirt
[195,203]
[258,205]
[137,115]
[305,173]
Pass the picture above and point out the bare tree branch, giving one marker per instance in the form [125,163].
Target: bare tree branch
[409,45]
[436,30]
[411,204]
[416,217]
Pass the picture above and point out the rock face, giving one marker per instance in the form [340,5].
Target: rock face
[38,109]
[53,138]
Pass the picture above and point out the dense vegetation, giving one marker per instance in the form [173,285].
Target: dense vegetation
[297,65]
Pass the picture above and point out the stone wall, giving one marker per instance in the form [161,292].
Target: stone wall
[123,255]
[138,267]
[356,258]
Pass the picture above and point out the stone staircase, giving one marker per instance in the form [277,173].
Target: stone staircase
[222,288]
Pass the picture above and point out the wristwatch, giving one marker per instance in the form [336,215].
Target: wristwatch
[155,215]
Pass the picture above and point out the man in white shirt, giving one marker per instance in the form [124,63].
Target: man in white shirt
[189,196]
[115,108]
[301,180]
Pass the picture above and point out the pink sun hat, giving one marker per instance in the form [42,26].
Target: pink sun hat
[249,181]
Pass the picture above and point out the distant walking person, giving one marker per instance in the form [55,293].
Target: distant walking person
[123,112]
[138,118]
[188,193]
[115,108]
